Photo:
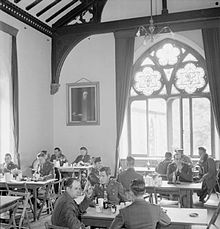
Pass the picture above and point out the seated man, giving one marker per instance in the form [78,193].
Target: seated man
[207,173]
[140,214]
[58,156]
[115,191]
[94,174]
[185,159]
[66,211]
[45,170]
[128,175]
[179,171]
[162,166]
[8,166]
[83,157]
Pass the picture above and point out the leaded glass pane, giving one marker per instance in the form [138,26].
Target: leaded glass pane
[147,81]
[168,54]
[147,61]
[138,125]
[132,92]
[174,91]
[190,78]
[168,73]
[163,91]
[189,57]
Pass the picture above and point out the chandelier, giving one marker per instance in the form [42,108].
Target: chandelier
[150,32]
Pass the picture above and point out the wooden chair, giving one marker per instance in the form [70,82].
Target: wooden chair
[214,217]
[50,226]
[25,206]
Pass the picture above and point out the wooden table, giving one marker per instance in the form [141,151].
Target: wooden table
[180,217]
[185,189]
[144,170]
[33,186]
[9,203]
[72,169]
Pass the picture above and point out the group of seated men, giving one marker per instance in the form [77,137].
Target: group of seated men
[181,166]
[129,185]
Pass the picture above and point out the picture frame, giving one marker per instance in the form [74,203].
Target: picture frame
[83,103]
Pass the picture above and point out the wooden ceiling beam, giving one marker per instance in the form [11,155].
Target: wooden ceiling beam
[33,4]
[61,10]
[72,14]
[51,5]
[180,21]
[25,17]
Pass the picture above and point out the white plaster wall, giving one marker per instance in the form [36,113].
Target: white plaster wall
[35,102]
[93,59]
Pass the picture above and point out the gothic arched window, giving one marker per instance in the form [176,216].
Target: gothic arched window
[169,103]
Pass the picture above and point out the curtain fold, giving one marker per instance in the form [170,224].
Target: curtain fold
[211,40]
[124,53]
[14,75]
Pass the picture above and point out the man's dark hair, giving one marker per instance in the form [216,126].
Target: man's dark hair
[8,155]
[168,155]
[69,181]
[106,169]
[57,148]
[97,159]
[130,161]
[138,187]
[202,148]
[42,153]
[83,148]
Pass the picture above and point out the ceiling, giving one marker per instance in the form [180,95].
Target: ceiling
[47,15]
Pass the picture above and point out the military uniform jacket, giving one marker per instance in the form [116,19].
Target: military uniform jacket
[85,159]
[114,190]
[185,175]
[47,170]
[67,212]
[140,215]
[209,172]
[9,167]
[127,176]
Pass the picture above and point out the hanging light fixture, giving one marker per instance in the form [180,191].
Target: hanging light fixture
[149,32]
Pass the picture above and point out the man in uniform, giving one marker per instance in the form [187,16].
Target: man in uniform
[140,214]
[114,190]
[9,165]
[66,211]
[94,174]
[207,173]
[127,176]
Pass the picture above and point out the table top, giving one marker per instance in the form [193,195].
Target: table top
[37,183]
[177,215]
[182,185]
[75,167]
[7,200]
[144,169]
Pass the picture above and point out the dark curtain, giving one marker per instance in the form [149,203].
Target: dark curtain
[211,40]
[14,75]
[124,53]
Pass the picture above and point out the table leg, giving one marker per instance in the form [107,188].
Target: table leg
[35,203]
[186,198]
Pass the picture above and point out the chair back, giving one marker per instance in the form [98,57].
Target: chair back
[50,226]
[214,217]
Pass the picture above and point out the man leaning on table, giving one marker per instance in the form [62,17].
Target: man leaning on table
[66,211]
[140,214]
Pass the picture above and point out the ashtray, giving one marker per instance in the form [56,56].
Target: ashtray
[194,214]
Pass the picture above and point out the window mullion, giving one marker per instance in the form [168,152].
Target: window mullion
[181,123]
[191,126]
[147,128]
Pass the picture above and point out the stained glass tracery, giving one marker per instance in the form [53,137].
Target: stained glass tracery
[173,65]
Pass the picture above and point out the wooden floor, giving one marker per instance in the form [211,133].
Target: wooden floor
[40,223]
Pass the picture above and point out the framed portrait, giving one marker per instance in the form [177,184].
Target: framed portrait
[83,103]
